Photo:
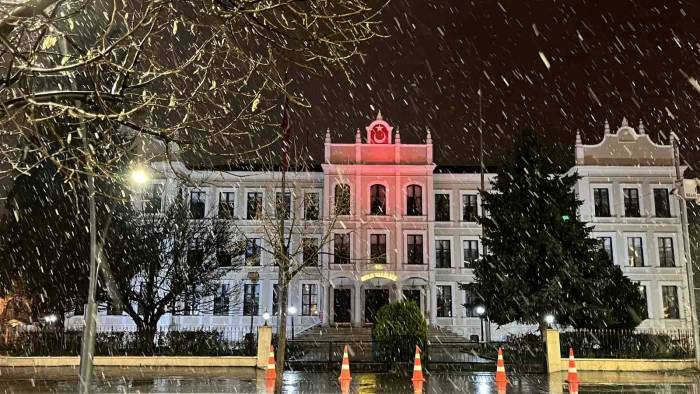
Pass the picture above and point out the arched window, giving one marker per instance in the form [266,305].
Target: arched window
[414,200]
[342,199]
[377,199]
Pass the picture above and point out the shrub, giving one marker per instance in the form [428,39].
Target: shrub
[399,327]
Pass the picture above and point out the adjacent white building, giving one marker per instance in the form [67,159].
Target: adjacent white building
[407,228]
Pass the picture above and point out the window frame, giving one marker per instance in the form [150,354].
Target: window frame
[226,191]
[347,186]
[259,244]
[438,304]
[449,205]
[421,200]
[319,211]
[613,243]
[372,234]
[654,188]
[199,191]
[311,296]
[608,190]
[640,199]
[679,308]
[258,287]
[380,186]
[147,196]
[221,295]
[317,239]
[350,248]
[462,210]
[424,258]
[674,249]
[627,237]
[261,203]
[449,255]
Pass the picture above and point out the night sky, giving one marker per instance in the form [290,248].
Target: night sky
[606,60]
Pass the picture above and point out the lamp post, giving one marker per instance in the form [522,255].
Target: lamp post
[292,311]
[266,317]
[138,176]
[549,319]
[480,310]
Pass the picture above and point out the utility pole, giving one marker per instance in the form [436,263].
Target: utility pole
[687,261]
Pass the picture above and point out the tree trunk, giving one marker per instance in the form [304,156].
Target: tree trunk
[146,332]
[281,328]
[543,331]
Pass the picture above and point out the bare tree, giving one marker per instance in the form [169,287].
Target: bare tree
[169,262]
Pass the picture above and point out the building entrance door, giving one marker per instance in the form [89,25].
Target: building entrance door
[341,305]
[374,300]
[412,295]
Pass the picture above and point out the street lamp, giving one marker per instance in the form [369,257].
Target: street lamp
[292,311]
[549,319]
[50,318]
[480,310]
[266,317]
[138,175]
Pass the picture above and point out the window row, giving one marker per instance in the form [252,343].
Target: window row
[635,250]
[631,202]
[251,254]
[378,199]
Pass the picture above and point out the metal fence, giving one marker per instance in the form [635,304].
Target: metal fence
[607,343]
[127,341]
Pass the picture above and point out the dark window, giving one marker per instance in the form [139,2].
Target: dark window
[471,252]
[414,200]
[309,300]
[252,251]
[670,301]
[309,251]
[223,257]
[443,253]
[470,304]
[226,205]
[662,205]
[415,248]
[469,208]
[643,292]
[342,199]
[666,254]
[114,308]
[341,248]
[197,204]
[601,199]
[255,204]
[606,244]
[442,207]
[283,205]
[275,299]
[377,246]
[251,299]
[632,203]
[635,252]
[311,206]
[79,308]
[221,300]
[195,254]
[444,300]
[377,197]
[153,198]
[190,302]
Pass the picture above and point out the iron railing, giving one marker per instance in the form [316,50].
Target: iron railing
[611,343]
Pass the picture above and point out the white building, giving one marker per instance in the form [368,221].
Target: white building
[409,229]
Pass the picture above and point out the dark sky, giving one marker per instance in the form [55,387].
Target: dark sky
[607,59]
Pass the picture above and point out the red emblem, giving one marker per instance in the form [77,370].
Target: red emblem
[379,134]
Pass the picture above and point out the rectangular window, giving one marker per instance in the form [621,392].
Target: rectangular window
[252,251]
[255,204]
[632,202]
[444,300]
[311,206]
[662,205]
[442,207]
[666,253]
[283,205]
[670,301]
[414,200]
[342,199]
[415,248]
[114,308]
[275,299]
[470,304]
[606,245]
[153,198]
[469,208]
[635,252]
[251,299]
[226,205]
[197,204]
[601,197]
[471,252]
[643,292]
[377,248]
[190,302]
[341,248]
[309,300]
[221,300]
[223,257]
[443,253]
[309,251]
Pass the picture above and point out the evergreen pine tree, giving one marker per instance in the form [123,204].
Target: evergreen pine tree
[540,256]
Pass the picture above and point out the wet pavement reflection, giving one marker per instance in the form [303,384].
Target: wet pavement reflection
[245,380]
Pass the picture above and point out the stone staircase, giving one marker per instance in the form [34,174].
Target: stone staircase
[344,333]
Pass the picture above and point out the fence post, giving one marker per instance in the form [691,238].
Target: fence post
[264,342]
[553,351]
[330,356]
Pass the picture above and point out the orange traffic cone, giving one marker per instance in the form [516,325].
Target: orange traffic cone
[417,369]
[500,368]
[270,385]
[573,388]
[573,375]
[345,368]
[271,373]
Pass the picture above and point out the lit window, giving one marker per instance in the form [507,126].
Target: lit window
[635,252]
[309,300]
